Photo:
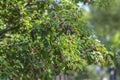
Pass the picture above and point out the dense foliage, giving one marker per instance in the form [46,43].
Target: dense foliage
[39,38]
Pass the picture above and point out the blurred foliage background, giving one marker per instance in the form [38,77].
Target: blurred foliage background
[106,23]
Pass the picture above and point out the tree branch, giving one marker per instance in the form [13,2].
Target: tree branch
[2,32]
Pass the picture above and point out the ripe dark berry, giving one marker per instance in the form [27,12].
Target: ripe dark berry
[86,1]
[70,28]
[73,31]
[61,24]
[21,14]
